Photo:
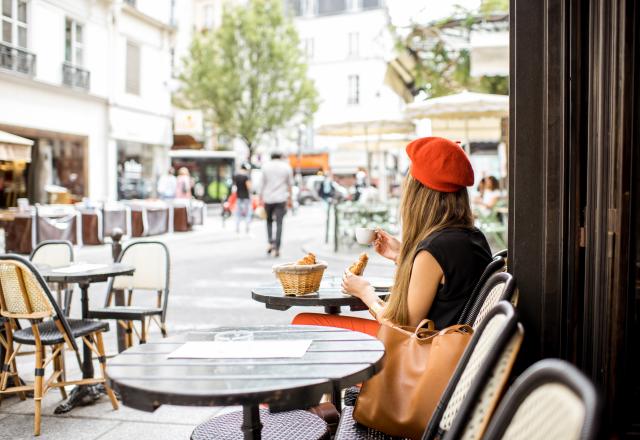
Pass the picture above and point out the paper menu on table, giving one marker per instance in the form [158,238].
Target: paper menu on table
[260,349]
[77,268]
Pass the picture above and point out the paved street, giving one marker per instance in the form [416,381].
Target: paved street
[213,271]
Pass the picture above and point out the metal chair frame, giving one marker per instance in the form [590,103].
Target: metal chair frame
[496,265]
[481,304]
[59,287]
[544,372]
[509,329]
[57,379]
[127,323]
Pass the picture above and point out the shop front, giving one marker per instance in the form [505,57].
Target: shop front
[54,171]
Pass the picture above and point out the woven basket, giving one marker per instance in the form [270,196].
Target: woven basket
[297,279]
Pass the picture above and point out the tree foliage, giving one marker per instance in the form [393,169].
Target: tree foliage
[249,75]
[442,59]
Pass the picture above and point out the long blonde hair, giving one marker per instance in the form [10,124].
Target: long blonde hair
[423,211]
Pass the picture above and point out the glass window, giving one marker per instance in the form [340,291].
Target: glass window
[353,92]
[22,36]
[68,57]
[6,32]
[22,11]
[296,7]
[308,48]
[7,8]
[73,44]
[132,83]
[331,6]
[370,4]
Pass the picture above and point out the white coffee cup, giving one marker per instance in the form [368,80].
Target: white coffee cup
[365,235]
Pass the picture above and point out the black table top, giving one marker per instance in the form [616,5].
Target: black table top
[329,295]
[102,273]
[337,358]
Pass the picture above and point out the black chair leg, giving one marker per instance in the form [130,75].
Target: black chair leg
[68,296]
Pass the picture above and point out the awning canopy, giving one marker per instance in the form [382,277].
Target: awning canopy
[465,105]
[366,128]
[14,148]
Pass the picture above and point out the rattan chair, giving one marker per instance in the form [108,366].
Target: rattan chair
[151,260]
[496,265]
[551,400]
[56,253]
[499,287]
[472,393]
[25,295]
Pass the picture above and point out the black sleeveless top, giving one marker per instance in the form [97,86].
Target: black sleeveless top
[463,254]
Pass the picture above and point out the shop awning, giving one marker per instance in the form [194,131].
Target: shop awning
[14,148]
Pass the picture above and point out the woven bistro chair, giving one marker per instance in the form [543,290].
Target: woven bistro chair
[552,399]
[496,265]
[503,253]
[474,387]
[500,286]
[55,254]
[25,295]
[151,260]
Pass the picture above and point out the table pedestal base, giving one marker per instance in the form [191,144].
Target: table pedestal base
[82,395]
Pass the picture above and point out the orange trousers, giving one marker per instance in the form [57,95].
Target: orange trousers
[368,326]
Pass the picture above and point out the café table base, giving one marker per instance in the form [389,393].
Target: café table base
[82,395]
[246,425]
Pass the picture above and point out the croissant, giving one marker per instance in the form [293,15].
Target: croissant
[308,259]
[357,268]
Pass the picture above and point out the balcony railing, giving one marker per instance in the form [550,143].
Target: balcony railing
[17,60]
[74,76]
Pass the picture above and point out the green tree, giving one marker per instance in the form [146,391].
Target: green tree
[249,75]
[442,68]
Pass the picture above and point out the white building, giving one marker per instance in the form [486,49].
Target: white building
[349,46]
[89,82]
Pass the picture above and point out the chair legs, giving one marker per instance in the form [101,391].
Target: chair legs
[58,366]
[103,367]
[38,388]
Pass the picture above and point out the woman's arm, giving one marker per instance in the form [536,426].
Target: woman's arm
[426,276]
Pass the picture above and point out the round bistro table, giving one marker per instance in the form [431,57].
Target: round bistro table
[84,394]
[146,378]
[329,296]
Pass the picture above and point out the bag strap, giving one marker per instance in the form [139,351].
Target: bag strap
[458,328]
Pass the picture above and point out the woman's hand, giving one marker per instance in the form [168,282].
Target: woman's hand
[354,285]
[387,245]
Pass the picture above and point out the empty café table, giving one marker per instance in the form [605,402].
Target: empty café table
[329,296]
[84,275]
[146,377]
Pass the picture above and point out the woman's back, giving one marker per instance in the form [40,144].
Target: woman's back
[463,254]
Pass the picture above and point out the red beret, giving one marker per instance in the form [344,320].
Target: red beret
[440,164]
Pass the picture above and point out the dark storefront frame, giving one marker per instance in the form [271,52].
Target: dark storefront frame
[572,181]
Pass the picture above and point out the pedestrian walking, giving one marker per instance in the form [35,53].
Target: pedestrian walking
[242,188]
[275,193]
[167,185]
[183,184]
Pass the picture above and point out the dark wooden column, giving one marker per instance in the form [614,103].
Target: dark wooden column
[539,172]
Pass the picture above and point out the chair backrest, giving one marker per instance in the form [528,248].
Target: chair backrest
[503,253]
[24,292]
[53,253]
[151,260]
[551,399]
[495,266]
[485,363]
[499,287]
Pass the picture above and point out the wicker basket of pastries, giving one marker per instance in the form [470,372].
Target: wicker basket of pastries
[302,277]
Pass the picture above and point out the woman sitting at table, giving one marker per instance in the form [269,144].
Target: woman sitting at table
[442,255]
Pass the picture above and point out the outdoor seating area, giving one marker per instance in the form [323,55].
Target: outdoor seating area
[93,224]
[274,392]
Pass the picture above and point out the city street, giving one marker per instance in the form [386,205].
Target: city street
[213,271]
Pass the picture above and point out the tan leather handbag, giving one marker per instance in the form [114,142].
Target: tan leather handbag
[418,364]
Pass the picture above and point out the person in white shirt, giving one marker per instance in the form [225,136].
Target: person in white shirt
[167,185]
[275,194]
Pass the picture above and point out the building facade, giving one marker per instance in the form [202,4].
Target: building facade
[89,83]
